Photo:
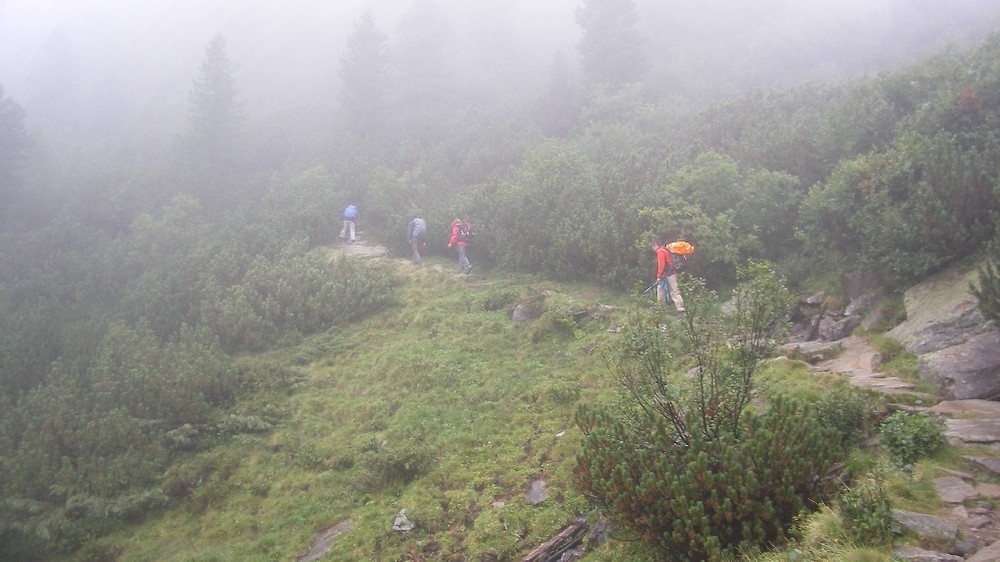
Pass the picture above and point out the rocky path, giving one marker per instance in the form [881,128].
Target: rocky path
[968,527]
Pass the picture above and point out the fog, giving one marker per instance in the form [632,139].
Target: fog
[124,70]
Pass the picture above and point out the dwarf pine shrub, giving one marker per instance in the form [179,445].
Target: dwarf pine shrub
[684,462]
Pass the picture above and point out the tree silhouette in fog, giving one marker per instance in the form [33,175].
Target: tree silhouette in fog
[364,70]
[214,112]
[14,146]
[611,50]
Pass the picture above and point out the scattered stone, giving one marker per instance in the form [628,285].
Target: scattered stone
[499,504]
[915,554]
[838,330]
[538,493]
[560,434]
[957,473]
[522,313]
[979,521]
[989,554]
[988,491]
[968,408]
[991,464]
[863,304]
[968,545]
[966,370]
[953,490]
[960,512]
[927,526]
[883,315]
[324,542]
[807,349]
[401,522]
[978,431]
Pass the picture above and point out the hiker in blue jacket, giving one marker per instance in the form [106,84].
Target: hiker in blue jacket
[416,235]
[350,215]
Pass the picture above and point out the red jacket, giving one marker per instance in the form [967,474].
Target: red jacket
[456,238]
[664,264]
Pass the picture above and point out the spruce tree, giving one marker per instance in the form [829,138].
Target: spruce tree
[364,70]
[214,112]
[14,146]
[611,49]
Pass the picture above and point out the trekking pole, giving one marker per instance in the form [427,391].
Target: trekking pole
[649,288]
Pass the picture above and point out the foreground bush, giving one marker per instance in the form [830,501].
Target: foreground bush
[685,463]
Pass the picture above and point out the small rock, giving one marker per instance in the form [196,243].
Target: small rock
[953,490]
[989,463]
[925,525]
[538,492]
[915,554]
[988,491]
[402,523]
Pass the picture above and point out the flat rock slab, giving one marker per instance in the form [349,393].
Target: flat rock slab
[966,370]
[989,554]
[914,554]
[324,542]
[973,431]
[968,408]
[991,464]
[953,490]
[925,525]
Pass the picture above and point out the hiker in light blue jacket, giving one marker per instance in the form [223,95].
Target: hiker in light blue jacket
[350,215]
[416,235]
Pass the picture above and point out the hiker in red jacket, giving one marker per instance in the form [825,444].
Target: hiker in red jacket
[666,277]
[461,234]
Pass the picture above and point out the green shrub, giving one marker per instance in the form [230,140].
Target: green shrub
[499,299]
[553,322]
[865,511]
[387,465]
[909,437]
[685,462]
[702,499]
[850,411]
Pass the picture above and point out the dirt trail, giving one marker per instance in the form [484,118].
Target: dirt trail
[860,362]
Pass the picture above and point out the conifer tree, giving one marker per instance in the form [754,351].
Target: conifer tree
[214,112]
[611,49]
[988,290]
[557,110]
[364,70]
[14,146]
[423,68]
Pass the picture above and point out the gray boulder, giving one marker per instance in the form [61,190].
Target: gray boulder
[940,313]
[957,348]
[966,370]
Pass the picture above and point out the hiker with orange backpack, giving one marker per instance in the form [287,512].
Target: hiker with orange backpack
[666,275]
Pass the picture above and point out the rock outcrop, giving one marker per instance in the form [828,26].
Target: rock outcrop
[958,349]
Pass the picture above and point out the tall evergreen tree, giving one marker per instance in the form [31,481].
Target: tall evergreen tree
[611,49]
[557,110]
[14,146]
[214,112]
[424,71]
[364,70]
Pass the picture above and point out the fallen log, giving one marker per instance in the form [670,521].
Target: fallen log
[564,540]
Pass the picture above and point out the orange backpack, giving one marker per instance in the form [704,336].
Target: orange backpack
[679,252]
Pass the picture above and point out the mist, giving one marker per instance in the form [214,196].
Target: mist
[104,78]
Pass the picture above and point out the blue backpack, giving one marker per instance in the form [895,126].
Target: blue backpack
[351,212]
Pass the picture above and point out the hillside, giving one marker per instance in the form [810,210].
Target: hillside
[446,418]
[441,406]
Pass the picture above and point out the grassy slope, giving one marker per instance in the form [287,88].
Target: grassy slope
[438,386]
